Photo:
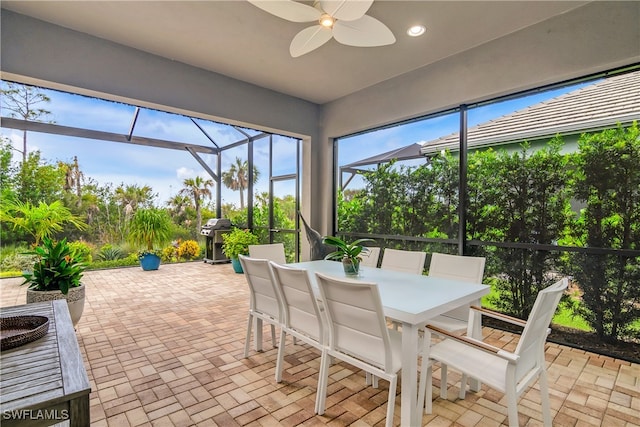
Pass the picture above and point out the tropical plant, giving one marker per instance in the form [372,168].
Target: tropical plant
[39,221]
[197,188]
[150,227]
[237,177]
[237,242]
[55,268]
[344,250]
[109,252]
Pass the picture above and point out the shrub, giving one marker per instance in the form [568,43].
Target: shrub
[81,251]
[189,249]
[169,254]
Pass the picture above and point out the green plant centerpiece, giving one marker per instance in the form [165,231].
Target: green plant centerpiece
[237,243]
[56,274]
[348,253]
[148,228]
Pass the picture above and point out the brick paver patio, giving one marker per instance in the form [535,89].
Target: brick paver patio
[164,348]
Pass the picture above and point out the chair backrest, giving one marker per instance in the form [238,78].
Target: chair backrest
[300,310]
[405,261]
[456,267]
[272,252]
[531,344]
[265,297]
[370,256]
[355,318]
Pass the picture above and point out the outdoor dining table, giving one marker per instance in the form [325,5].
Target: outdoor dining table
[44,382]
[411,300]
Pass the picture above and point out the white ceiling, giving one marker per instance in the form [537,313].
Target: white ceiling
[239,40]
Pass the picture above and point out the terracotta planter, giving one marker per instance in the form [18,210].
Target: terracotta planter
[75,300]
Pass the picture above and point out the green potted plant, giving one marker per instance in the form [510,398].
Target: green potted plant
[150,227]
[237,243]
[348,253]
[56,274]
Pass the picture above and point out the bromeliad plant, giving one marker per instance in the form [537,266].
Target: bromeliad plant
[56,267]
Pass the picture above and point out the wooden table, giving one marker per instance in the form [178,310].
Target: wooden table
[44,382]
[412,300]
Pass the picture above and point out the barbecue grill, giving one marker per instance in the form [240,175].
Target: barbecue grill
[213,229]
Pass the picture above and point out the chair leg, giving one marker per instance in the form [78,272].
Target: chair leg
[323,379]
[425,387]
[443,381]
[247,341]
[273,335]
[280,360]
[512,407]
[544,397]
[463,386]
[391,403]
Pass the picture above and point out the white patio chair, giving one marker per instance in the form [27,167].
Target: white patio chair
[358,335]
[273,252]
[461,268]
[509,372]
[265,300]
[370,257]
[464,269]
[405,261]
[302,317]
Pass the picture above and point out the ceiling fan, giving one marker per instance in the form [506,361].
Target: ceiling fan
[344,20]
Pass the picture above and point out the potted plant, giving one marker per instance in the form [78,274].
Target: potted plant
[348,253]
[56,274]
[237,243]
[148,228]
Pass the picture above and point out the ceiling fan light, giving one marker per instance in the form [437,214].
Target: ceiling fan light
[327,21]
[416,30]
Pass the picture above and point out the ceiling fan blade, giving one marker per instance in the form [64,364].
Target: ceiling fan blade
[346,10]
[289,10]
[365,32]
[309,39]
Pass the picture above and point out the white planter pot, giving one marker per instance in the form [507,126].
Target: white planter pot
[75,300]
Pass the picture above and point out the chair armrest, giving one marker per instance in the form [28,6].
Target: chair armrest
[475,343]
[499,316]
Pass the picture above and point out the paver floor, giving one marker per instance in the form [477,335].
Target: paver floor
[165,348]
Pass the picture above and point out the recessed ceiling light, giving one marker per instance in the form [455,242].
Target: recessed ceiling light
[416,30]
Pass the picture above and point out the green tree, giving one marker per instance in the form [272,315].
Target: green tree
[22,102]
[608,182]
[197,188]
[37,181]
[42,220]
[528,203]
[237,177]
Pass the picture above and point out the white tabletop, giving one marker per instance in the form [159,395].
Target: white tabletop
[407,298]
[411,299]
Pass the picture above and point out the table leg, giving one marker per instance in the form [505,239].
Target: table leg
[409,388]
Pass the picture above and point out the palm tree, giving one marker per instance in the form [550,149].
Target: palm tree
[197,188]
[132,196]
[237,177]
[39,221]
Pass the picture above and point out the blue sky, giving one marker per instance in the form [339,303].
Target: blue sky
[164,170]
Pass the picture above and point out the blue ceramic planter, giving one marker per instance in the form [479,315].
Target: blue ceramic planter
[237,267]
[150,262]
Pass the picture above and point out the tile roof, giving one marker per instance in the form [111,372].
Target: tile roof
[601,105]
